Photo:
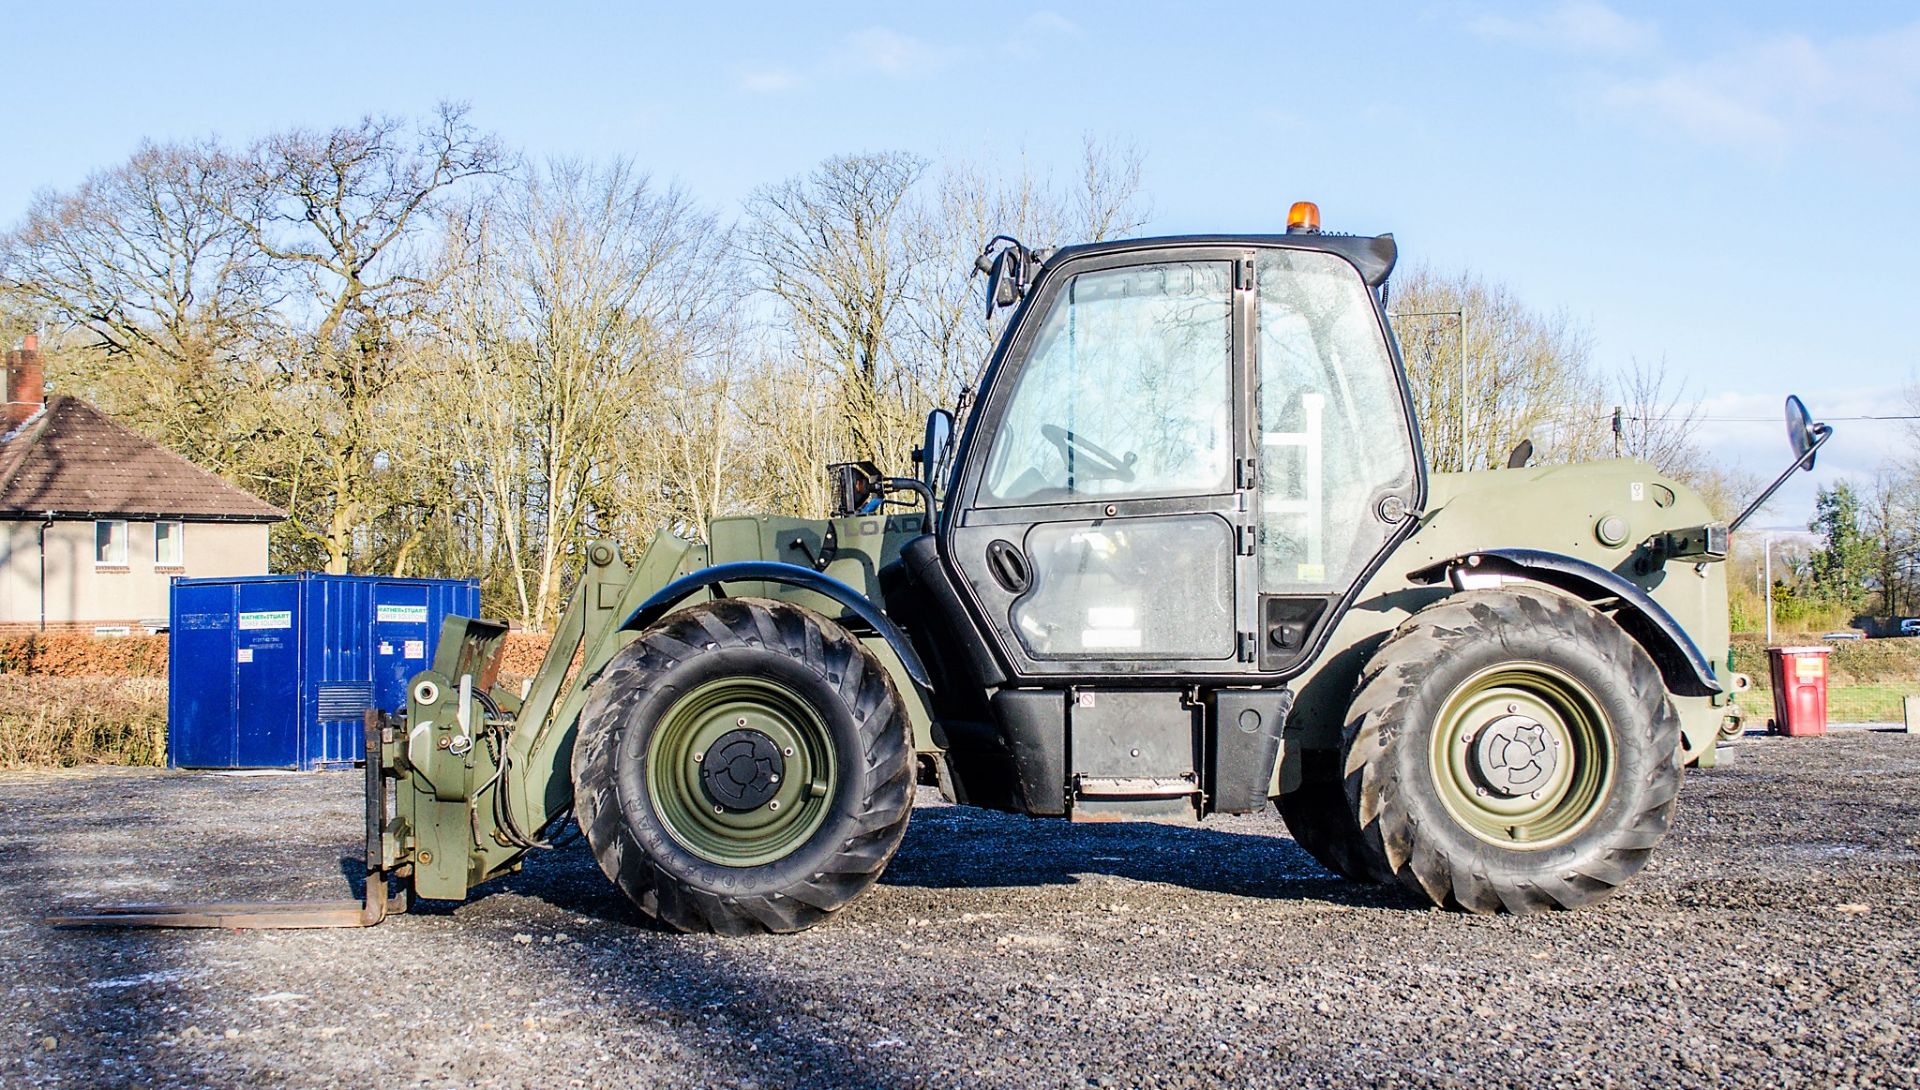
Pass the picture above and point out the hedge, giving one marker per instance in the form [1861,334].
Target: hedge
[73,654]
[65,721]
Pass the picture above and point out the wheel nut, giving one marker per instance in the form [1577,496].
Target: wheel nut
[773,779]
[698,757]
[787,752]
[718,809]
[1511,708]
[774,805]
[740,722]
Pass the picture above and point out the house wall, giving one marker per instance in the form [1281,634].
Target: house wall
[81,594]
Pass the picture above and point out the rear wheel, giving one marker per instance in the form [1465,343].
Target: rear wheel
[1512,750]
[743,766]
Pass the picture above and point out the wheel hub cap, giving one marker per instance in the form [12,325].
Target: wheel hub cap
[742,770]
[1515,755]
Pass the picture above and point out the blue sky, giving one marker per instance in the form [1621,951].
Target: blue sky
[1731,186]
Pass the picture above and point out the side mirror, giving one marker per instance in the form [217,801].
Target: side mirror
[1004,280]
[1800,434]
[935,450]
[1806,437]
[855,485]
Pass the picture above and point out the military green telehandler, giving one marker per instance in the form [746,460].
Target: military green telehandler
[1184,558]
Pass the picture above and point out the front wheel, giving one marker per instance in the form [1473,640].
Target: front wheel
[743,766]
[1512,750]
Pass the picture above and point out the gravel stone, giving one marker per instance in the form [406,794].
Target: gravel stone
[1771,942]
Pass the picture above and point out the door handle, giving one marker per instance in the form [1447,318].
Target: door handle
[1008,566]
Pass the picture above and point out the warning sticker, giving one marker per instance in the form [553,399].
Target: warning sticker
[267,618]
[416,649]
[1809,667]
[246,654]
[386,648]
[400,614]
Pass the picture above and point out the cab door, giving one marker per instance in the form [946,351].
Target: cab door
[1104,522]
[1337,460]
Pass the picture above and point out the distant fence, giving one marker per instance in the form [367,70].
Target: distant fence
[1867,680]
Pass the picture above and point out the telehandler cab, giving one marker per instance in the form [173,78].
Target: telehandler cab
[1183,559]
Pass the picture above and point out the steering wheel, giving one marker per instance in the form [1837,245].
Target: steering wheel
[1107,467]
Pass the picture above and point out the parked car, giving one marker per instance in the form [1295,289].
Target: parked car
[1847,635]
[1910,626]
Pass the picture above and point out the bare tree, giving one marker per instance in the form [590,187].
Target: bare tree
[1108,202]
[834,247]
[337,213]
[1528,375]
[164,299]
[576,320]
[1658,419]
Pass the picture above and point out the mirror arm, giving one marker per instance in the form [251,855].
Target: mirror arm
[911,484]
[1821,434]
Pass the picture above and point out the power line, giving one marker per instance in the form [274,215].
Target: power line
[1763,419]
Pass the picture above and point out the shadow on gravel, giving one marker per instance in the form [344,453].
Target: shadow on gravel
[962,847]
[959,847]
[742,1023]
[87,1007]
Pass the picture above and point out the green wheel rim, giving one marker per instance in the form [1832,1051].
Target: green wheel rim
[768,832]
[1536,718]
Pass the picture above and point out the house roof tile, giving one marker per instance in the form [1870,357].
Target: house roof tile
[74,461]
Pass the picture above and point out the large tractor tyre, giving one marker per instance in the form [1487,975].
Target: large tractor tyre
[743,766]
[1322,824]
[1512,750]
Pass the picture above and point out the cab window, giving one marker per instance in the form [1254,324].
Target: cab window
[1333,434]
[1127,391]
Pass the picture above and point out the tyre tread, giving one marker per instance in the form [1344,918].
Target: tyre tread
[833,654]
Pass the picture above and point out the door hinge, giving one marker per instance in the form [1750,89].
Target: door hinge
[1249,536]
[1249,646]
[1243,274]
[1247,470]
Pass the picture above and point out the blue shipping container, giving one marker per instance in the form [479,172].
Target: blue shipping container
[278,671]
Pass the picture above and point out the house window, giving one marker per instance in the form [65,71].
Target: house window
[169,545]
[110,543]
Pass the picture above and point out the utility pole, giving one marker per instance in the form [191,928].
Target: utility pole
[1619,426]
[1459,317]
[1766,565]
[1461,314]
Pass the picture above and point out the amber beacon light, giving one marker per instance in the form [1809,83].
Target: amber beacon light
[1303,218]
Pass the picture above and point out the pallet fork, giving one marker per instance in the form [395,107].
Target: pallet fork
[381,899]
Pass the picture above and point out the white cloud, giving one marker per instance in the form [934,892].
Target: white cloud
[1698,108]
[1769,95]
[769,80]
[1035,34]
[892,53]
[1583,26]
[876,50]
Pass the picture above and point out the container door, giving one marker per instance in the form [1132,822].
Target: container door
[400,636]
[200,677]
[266,660]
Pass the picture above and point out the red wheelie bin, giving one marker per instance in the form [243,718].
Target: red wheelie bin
[1799,690]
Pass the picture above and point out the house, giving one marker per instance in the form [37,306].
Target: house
[95,520]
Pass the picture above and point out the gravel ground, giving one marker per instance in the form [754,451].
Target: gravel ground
[1772,942]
